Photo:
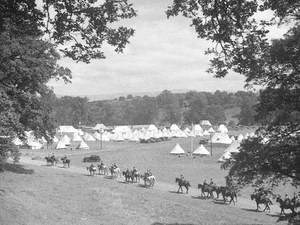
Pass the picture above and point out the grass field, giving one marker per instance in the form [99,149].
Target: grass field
[40,195]
[70,196]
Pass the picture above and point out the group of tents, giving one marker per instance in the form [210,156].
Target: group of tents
[70,137]
[201,151]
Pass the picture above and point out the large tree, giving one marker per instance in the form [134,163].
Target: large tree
[31,38]
[242,46]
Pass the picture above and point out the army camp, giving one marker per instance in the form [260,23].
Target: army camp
[149,112]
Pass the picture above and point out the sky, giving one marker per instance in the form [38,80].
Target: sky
[163,54]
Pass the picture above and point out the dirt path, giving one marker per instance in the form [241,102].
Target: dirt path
[161,186]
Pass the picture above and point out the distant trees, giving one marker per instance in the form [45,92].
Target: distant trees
[164,109]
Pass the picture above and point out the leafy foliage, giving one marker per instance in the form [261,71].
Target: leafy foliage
[28,60]
[86,25]
[242,45]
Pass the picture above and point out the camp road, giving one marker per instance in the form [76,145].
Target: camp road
[161,186]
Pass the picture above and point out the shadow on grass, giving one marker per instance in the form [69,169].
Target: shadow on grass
[290,217]
[172,223]
[123,182]
[144,186]
[175,192]
[251,210]
[220,202]
[15,168]
[200,197]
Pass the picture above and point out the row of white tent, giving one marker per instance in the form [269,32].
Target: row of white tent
[201,150]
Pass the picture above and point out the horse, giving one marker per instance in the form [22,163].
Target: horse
[136,176]
[128,175]
[285,204]
[66,161]
[103,170]
[182,183]
[229,192]
[218,190]
[261,199]
[92,169]
[149,181]
[115,172]
[51,160]
[206,188]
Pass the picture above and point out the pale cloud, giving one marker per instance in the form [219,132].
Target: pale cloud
[163,54]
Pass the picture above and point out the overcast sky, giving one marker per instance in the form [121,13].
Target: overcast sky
[163,54]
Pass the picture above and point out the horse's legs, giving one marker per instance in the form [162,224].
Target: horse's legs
[178,189]
[187,190]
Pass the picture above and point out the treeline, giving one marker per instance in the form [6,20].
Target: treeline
[164,109]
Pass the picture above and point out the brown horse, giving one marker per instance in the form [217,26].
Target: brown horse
[128,176]
[92,169]
[182,183]
[103,170]
[261,199]
[231,193]
[51,160]
[206,188]
[285,204]
[66,161]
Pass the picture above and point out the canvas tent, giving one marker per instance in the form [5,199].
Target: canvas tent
[99,127]
[205,123]
[17,141]
[233,148]
[76,137]
[152,128]
[174,127]
[211,130]
[201,150]
[66,129]
[197,130]
[240,137]
[82,145]
[222,129]
[61,145]
[221,138]
[177,150]
[88,137]
[224,157]
[55,139]
[66,140]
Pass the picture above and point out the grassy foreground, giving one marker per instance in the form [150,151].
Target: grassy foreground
[41,195]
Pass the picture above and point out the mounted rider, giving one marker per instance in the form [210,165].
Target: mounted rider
[148,173]
[211,183]
[204,182]
[134,170]
[181,177]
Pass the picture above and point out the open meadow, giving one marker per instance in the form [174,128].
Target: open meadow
[39,194]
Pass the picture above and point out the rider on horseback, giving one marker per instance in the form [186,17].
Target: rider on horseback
[204,182]
[134,170]
[181,177]
[148,173]
[211,183]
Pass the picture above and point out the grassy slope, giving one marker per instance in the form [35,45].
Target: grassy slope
[51,196]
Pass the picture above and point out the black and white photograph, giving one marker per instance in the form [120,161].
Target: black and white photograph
[149,112]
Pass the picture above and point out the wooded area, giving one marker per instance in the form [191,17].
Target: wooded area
[164,109]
